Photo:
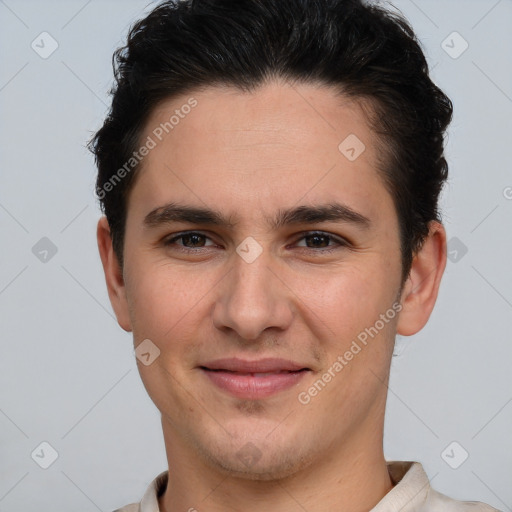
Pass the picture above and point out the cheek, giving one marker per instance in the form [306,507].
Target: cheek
[164,307]
[357,308]
[348,300]
[160,299]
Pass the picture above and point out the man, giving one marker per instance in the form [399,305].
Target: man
[270,171]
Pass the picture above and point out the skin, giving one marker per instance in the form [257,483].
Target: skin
[248,155]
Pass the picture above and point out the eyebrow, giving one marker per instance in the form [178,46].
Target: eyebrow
[304,214]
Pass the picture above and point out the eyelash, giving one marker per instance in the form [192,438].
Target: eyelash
[325,250]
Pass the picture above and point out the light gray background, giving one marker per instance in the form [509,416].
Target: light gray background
[67,370]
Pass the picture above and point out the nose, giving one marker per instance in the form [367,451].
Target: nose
[252,298]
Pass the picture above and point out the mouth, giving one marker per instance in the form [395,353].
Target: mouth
[253,379]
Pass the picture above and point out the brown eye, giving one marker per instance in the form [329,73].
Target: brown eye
[191,240]
[317,241]
[321,240]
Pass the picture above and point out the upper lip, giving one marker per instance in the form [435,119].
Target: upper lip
[235,364]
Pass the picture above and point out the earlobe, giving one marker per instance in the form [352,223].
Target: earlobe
[420,291]
[113,275]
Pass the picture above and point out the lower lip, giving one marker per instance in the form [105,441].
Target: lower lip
[253,387]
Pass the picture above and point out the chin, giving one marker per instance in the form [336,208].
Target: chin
[249,463]
[259,474]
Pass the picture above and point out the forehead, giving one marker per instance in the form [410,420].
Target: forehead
[256,151]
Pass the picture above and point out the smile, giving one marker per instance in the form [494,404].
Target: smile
[243,380]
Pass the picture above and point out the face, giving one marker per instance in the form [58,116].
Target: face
[273,308]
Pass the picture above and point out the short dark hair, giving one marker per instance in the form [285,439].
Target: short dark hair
[364,51]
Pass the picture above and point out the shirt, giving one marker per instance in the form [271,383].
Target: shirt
[411,493]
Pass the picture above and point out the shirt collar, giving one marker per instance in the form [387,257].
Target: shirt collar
[410,491]
[149,502]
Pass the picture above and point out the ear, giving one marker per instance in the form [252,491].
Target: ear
[113,275]
[420,291]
